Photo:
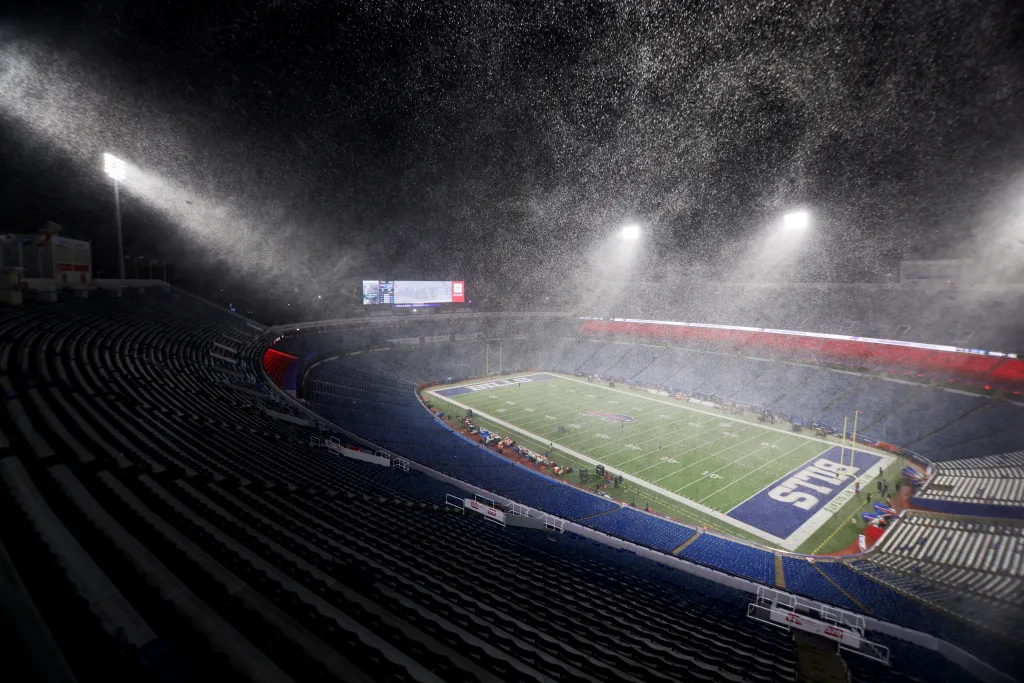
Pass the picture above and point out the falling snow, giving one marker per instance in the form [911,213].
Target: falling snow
[298,147]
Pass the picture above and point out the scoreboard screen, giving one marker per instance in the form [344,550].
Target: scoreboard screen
[378,292]
[414,293]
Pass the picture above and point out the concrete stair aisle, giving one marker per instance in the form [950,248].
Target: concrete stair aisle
[817,660]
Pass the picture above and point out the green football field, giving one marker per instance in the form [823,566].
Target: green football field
[691,463]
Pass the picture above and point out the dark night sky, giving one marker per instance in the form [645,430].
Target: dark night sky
[498,142]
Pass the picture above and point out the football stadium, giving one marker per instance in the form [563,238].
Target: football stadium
[487,344]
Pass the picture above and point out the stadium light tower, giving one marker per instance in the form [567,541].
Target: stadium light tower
[797,220]
[117,170]
[631,232]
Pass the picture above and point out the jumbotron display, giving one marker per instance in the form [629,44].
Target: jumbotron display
[414,293]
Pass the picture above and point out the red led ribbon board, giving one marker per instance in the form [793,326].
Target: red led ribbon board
[933,360]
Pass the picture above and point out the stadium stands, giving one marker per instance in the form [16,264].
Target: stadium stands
[634,525]
[1001,465]
[753,563]
[861,593]
[804,577]
[986,318]
[166,526]
[199,554]
[870,596]
[932,421]
[977,368]
[978,558]
[988,485]
[870,587]
[987,489]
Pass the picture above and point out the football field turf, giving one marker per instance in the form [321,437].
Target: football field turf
[699,464]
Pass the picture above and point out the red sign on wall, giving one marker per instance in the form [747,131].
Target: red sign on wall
[806,623]
[485,510]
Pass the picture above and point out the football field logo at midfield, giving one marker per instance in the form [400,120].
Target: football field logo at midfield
[611,417]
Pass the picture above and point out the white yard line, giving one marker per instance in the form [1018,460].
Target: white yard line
[669,445]
[590,433]
[636,480]
[699,426]
[686,406]
[661,438]
[712,455]
[643,454]
[755,470]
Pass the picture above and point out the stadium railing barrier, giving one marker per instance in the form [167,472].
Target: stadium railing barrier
[553,523]
[490,512]
[519,509]
[787,611]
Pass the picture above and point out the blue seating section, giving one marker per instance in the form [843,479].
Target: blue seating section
[802,577]
[1001,442]
[974,437]
[769,382]
[929,411]
[732,557]
[640,527]
[892,606]
[389,414]
[818,391]
[876,398]
[881,601]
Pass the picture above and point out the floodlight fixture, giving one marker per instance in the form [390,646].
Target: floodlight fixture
[631,232]
[117,170]
[797,220]
[114,167]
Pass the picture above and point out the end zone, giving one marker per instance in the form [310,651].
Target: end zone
[493,384]
[799,503]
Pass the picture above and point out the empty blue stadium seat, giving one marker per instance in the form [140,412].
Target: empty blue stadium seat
[734,558]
